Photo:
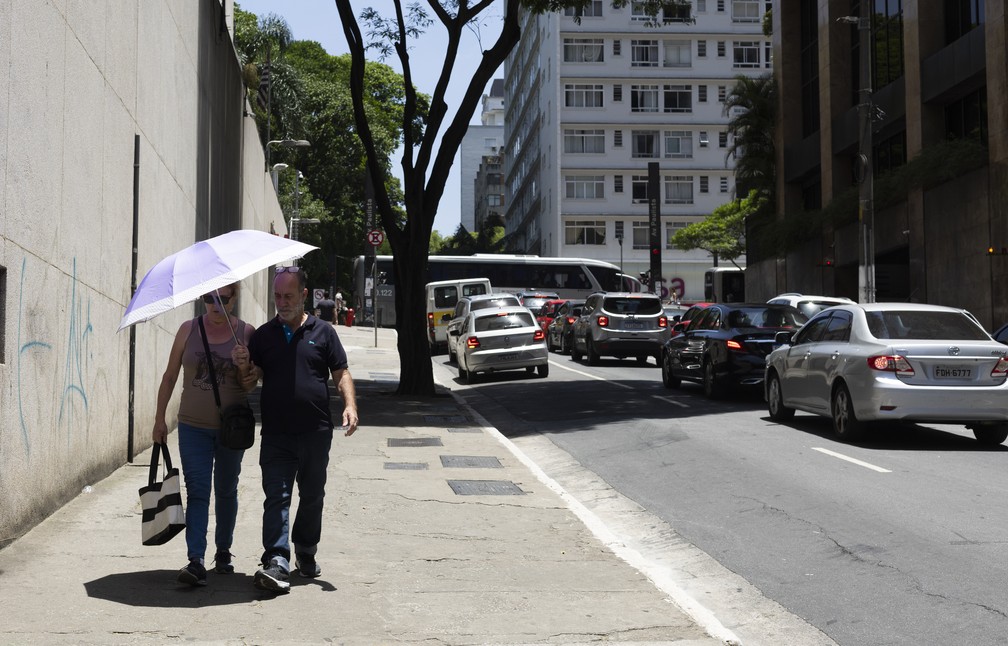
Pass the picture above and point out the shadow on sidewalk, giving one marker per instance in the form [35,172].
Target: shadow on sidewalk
[159,589]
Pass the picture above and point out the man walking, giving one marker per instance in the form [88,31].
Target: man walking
[294,354]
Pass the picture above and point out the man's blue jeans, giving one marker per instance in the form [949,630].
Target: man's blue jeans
[203,460]
[287,458]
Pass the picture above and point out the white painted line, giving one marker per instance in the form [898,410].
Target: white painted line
[672,401]
[851,460]
[589,375]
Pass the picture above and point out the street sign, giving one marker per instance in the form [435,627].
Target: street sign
[317,295]
[375,237]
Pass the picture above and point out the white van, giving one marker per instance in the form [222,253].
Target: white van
[442,295]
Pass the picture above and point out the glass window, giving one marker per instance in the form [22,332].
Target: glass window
[644,53]
[583,95]
[583,50]
[446,296]
[701,49]
[722,139]
[641,239]
[745,54]
[617,47]
[617,139]
[618,184]
[926,325]
[704,184]
[678,53]
[746,11]
[584,187]
[504,321]
[643,98]
[587,232]
[678,143]
[631,305]
[584,141]
[702,94]
[638,187]
[679,189]
[812,331]
[645,143]
[678,98]
[724,184]
[839,327]
[670,230]
[721,49]
[617,93]
[591,9]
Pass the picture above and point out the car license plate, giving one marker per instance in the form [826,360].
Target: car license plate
[634,325]
[508,357]
[952,372]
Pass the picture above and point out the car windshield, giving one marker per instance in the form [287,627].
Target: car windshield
[923,325]
[504,321]
[493,302]
[624,305]
[765,317]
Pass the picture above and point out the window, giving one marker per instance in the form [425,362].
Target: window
[578,95]
[617,138]
[720,6]
[677,53]
[638,13]
[722,140]
[678,98]
[675,12]
[678,189]
[592,9]
[584,141]
[767,55]
[671,228]
[704,139]
[721,49]
[701,94]
[678,143]
[617,93]
[619,230]
[618,184]
[745,54]
[724,184]
[645,143]
[644,53]
[494,200]
[643,98]
[584,187]
[617,47]
[722,93]
[641,239]
[746,11]
[638,189]
[701,49]
[704,184]
[701,6]
[584,232]
[583,50]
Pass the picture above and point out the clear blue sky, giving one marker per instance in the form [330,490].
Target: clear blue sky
[318,20]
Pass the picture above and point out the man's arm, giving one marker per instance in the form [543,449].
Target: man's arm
[344,384]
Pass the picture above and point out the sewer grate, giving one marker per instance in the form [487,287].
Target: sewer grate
[407,466]
[466,429]
[445,420]
[485,488]
[470,462]
[414,441]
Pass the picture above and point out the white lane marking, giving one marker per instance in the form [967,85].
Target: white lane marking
[672,401]
[851,460]
[590,376]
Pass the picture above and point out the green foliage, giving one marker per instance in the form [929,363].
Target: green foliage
[752,134]
[722,233]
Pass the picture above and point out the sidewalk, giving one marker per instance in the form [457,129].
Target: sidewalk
[434,532]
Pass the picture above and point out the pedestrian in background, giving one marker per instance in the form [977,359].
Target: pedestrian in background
[327,308]
[295,355]
[204,460]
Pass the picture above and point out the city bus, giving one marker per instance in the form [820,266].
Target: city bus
[724,285]
[568,277]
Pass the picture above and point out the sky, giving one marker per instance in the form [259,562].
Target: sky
[318,20]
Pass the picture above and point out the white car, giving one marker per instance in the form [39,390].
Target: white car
[809,305]
[470,303]
[896,362]
[493,340]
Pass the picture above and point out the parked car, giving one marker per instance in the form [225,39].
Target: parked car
[1001,334]
[560,331]
[466,305]
[620,324]
[727,345]
[535,300]
[674,312]
[691,313]
[492,340]
[907,362]
[808,304]
[548,311]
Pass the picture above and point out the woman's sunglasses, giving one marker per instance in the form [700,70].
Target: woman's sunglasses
[213,298]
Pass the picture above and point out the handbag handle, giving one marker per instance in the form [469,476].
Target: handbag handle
[158,448]
[210,366]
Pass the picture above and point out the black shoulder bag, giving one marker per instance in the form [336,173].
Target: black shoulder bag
[237,429]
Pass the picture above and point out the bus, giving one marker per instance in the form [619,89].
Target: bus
[568,277]
[724,285]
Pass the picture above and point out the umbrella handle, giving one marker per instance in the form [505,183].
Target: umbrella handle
[227,317]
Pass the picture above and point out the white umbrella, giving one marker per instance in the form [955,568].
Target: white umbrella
[206,266]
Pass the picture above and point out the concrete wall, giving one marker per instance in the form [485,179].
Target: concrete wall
[81,81]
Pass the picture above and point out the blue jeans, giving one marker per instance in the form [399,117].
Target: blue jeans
[202,459]
[285,459]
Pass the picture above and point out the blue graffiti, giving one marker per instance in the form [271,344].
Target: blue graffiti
[76,354]
[22,349]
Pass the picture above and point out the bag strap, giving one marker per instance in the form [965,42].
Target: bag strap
[157,449]
[210,366]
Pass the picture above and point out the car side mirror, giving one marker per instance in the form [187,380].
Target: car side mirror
[783,338]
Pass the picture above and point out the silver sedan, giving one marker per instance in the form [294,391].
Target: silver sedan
[492,340]
[905,362]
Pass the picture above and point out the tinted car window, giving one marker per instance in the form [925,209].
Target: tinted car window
[812,331]
[811,308]
[494,302]
[765,317]
[504,321]
[697,320]
[473,290]
[923,325]
[622,305]
[445,296]
[839,327]
[1002,335]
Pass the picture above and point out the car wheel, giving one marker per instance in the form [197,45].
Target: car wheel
[563,345]
[574,352]
[461,371]
[471,377]
[543,370]
[666,374]
[775,400]
[845,424]
[711,387]
[590,351]
[451,356]
[991,435]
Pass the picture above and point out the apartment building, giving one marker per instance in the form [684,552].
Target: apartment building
[939,152]
[593,96]
[481,142]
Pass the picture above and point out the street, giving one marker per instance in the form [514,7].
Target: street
[896,540]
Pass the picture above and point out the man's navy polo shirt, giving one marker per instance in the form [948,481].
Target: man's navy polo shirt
[295,389]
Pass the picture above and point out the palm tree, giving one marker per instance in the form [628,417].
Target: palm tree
[752,134]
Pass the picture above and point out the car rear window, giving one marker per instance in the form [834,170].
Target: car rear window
[623,305]
[765,317]
[924,325]
[493,302]
[504,321]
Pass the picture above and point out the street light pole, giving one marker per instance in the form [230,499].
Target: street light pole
[619,239]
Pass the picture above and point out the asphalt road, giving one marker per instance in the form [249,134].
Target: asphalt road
[899,539]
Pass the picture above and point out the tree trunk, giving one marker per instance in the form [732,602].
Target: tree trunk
[416,373]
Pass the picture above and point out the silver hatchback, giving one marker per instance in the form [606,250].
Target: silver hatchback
[620,324]
[493,340]
[905,362]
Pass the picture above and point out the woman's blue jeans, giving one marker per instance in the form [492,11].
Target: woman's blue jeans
[287,458]
[203,460]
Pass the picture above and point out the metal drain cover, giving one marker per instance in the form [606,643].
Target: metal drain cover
[407,466]
[414,441]
[470,462]
[485,488]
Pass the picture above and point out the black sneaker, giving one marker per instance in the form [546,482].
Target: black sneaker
[193,574]
[222,562]
[305,565]
[272,577]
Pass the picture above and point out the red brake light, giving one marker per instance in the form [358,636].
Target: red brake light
[1001,369]
[539,335]
[733,345]
[570,320]
[430,319]
[662,321]
[603,321]
[886,363]
[472,343]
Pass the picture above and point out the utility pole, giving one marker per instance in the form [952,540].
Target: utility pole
[866,189]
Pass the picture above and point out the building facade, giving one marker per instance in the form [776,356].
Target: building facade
[480,142]
[593,97]
[939,153]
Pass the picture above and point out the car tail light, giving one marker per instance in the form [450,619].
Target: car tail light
[570,320]
[539,335]
[662,321]
[472,343]
[888,363]
[734,345]
[603,321]
[1001,369]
